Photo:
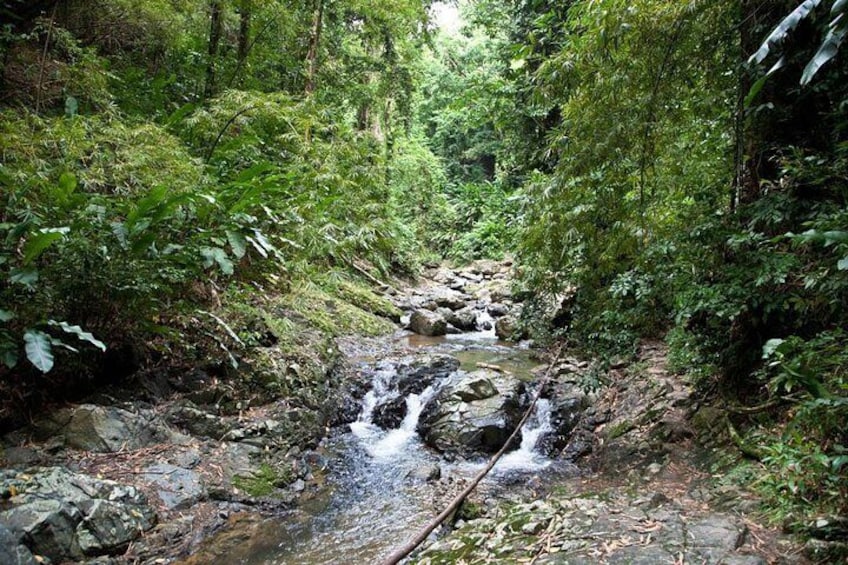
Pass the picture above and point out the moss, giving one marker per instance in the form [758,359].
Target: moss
[619,429]
[333,316]
[264,481]
[366,299]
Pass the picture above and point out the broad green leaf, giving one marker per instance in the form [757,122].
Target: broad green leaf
[237,242]
[216,255]
[5,315]
[827,51]
[38,243]
[788,24]
[59,343]
[26,276]
[9,358]
[771,347]
[842,265]
[79,333]
[38,350]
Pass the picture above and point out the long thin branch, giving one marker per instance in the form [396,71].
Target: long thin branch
[410,546]
[44,59]
[224,129]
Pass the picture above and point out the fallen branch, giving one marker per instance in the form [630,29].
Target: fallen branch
[410,546]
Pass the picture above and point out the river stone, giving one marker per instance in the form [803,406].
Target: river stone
[388,415]
[104,429]
[417,372]
[47,527]
[477,388]
[464,319]
[453,425]
[178,488]
[424,322]
[497,309]
[12,552]
[198,422]
[447,298]
[63,515]
[109,527]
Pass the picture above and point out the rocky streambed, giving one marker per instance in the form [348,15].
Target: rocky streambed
[607,469]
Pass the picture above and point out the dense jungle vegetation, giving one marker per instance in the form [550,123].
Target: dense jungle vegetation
[674,170]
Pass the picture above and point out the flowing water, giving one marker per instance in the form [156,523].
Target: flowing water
[375,497]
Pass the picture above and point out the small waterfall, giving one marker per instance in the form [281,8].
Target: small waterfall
[395,440]
[381,390]
[525,458]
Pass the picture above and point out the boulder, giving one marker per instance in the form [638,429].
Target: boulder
[465,319]
[176,487]
[390,414]
[104,429]
[568,404]
[474,415]
[66,516]
[415,373]
[424,322]
[449,298]
[12,552]
[497,309]
[198,422]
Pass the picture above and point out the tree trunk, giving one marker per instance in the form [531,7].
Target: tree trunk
[314,44]
[244,32]
[216,25]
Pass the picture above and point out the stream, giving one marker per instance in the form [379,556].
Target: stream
[377,492]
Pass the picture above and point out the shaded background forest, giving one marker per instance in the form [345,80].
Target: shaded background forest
[163,156]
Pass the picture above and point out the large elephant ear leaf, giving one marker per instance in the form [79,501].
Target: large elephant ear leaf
[828,50]
[783,29]
[39,350]
[81,334]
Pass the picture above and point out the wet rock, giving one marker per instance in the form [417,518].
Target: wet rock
[48,527]
[497,309]
[426,473]
[447,298]
[176,487]
[63,515]
[105,428]
[464,319]
[415,373]
[568,404]
[12,552]
[427,323]
[482,425]
[390,414]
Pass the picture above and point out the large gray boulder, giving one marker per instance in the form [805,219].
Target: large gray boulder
[67,516]
[104,429]
[424,322]
[464,319]
[12,552]
[474,415]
